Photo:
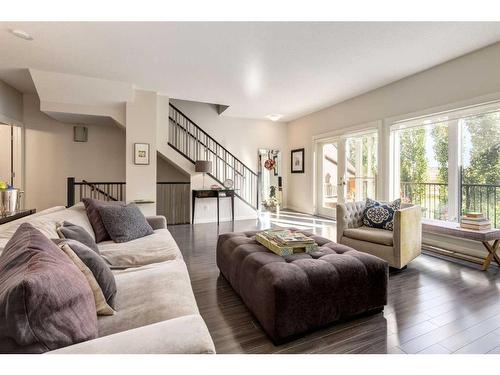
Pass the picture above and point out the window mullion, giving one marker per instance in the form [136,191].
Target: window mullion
[454,163]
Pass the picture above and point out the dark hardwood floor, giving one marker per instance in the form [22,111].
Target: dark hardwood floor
[435,306]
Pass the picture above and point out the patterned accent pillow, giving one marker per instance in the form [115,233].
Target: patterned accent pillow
[380,215]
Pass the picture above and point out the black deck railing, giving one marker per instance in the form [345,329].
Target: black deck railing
[433,198]
[172,198]
[194,143]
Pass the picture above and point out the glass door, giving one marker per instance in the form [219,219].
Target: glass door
[327,177]
[359,180]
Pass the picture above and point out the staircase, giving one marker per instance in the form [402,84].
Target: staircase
[192,142]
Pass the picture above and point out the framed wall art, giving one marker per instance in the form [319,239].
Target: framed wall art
[297,160]
[141,153]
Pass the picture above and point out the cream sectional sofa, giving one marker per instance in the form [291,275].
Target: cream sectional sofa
[156,311]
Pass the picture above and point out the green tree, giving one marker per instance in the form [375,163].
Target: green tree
[484,165]
[413,164]
[439,135]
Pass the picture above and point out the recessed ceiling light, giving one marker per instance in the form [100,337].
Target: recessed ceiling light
[274,117]
[21,34]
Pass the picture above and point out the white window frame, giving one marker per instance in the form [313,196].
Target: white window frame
[340,136]
[454,148]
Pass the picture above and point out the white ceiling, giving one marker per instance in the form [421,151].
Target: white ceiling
[255,68]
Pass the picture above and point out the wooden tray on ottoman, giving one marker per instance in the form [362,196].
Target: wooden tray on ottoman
[284,250]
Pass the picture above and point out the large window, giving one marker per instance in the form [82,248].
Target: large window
[480,174]
[449,163]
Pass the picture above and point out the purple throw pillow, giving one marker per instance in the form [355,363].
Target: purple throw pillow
[45,301]
[92,207]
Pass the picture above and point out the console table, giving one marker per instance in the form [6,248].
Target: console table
[7,218]
[489,238]
[214,194]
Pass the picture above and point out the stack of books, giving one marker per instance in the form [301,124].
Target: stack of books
[475,221]
[286,242]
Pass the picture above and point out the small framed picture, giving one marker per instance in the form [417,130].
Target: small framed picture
[297,160]
[141,153]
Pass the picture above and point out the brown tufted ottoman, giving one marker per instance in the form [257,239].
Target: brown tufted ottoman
[292,295]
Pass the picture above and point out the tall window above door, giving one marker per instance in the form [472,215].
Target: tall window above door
[449,163]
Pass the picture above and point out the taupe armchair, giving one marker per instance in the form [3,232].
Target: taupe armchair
[398,247]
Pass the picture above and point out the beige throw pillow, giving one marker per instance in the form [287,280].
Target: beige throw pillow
[100,301]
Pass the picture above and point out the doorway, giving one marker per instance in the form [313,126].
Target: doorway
[361,167]
[328,177]
[7,154]
[346,170]
[11,156]
[270,180]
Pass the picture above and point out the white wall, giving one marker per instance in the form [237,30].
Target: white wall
[11,104]
[80,95]
[242,137]
[51,156]
[142,121]
[168,172]
[467,77]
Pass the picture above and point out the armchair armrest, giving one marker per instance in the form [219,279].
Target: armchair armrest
[183,335]
[157,222]
[407,234]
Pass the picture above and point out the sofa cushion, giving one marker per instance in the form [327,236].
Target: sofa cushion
[184,335]
[92,207]
[125,223]
[67,230]
[99,268]
[45,301]
[375,235]
[380,215]
[156,248]
[150,294]
[47,223]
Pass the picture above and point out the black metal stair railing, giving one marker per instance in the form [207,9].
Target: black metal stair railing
[192,142]
[106,191]
[172,198]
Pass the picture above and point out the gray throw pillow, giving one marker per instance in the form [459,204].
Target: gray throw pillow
[125,223]
[97,265]
[75,232]
[92,207]
[45,301]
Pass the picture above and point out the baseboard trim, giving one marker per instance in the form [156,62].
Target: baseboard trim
[225,220]
[295,208]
